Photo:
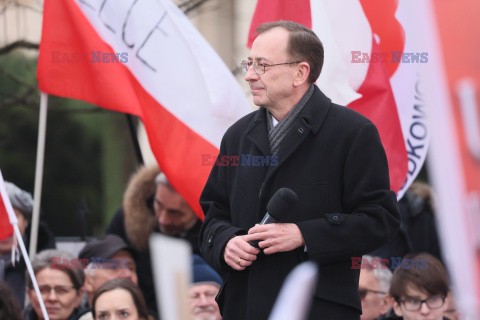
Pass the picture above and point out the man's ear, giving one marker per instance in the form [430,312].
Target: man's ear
[301,74]
[397,309]
[29,293]
[386,303]
[88,285]
[445,303]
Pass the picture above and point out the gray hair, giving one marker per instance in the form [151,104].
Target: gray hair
[383,275]
[20,199]
[45,259]
[161,178]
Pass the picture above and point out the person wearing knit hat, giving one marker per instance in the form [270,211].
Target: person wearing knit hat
[205,286]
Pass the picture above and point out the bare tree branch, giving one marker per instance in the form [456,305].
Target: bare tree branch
[22,99]
[18,44]
[191,5]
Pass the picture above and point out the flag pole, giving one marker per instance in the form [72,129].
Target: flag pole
[133,134]
[14,222]
[42,129]
[30,271]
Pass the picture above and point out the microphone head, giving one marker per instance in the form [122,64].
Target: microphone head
[282,203]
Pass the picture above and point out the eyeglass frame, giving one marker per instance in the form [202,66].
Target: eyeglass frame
[442,297]
[246,64]
[367,291]
[44,292]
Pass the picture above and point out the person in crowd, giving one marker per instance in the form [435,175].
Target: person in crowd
[421,290]
[151,204]
[9,307]
[14,273]
[418,231]
[373,286]
[329,155]
[119,299]
[452,313]
[202,292]
[106,258]
[61,288]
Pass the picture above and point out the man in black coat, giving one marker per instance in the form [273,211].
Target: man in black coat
[331,156]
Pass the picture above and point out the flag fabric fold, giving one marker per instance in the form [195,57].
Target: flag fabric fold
[365,69]
[145,58]
[7,215]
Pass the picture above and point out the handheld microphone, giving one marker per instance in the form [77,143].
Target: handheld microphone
[278,207]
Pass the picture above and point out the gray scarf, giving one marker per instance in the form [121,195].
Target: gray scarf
[277,133]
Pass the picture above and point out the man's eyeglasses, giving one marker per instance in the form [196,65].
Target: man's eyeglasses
[363,292]
[412,304]
[259,67]
[59,290]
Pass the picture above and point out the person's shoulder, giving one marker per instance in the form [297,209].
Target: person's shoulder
[241,125]
[349,116]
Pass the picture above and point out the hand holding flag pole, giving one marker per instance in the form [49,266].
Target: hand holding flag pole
[14,222]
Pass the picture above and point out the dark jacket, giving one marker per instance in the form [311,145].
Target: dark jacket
[136,221]
[418,232]
[333,159]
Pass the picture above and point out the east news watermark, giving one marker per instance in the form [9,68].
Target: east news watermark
[382,263]
[94,57]
[242,160]
[386,57]
[94,263]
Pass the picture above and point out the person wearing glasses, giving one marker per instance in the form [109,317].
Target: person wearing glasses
[420,292]
[60,288]
[373,287]
[329,155]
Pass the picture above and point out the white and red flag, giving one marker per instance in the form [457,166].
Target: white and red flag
[145,58]
[6,229]
[371,66]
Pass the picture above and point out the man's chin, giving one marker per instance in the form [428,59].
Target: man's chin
[204,316]
[169,231]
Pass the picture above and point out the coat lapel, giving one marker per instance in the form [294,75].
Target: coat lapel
[308,122]
[257,132]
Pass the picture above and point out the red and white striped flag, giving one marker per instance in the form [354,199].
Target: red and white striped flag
[144,58]
[371,66]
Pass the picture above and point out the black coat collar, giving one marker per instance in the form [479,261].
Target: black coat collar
[310,120]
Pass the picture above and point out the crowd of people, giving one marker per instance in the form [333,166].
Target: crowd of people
[104,280]
[99,292]
[345,211]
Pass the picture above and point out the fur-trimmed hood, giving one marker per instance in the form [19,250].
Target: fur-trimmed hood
[140,219]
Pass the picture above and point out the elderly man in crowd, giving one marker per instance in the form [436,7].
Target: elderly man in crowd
[373,286]
[202,292]
[107,258]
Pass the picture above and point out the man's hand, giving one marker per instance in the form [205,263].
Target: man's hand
[239,254]
[276,237]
